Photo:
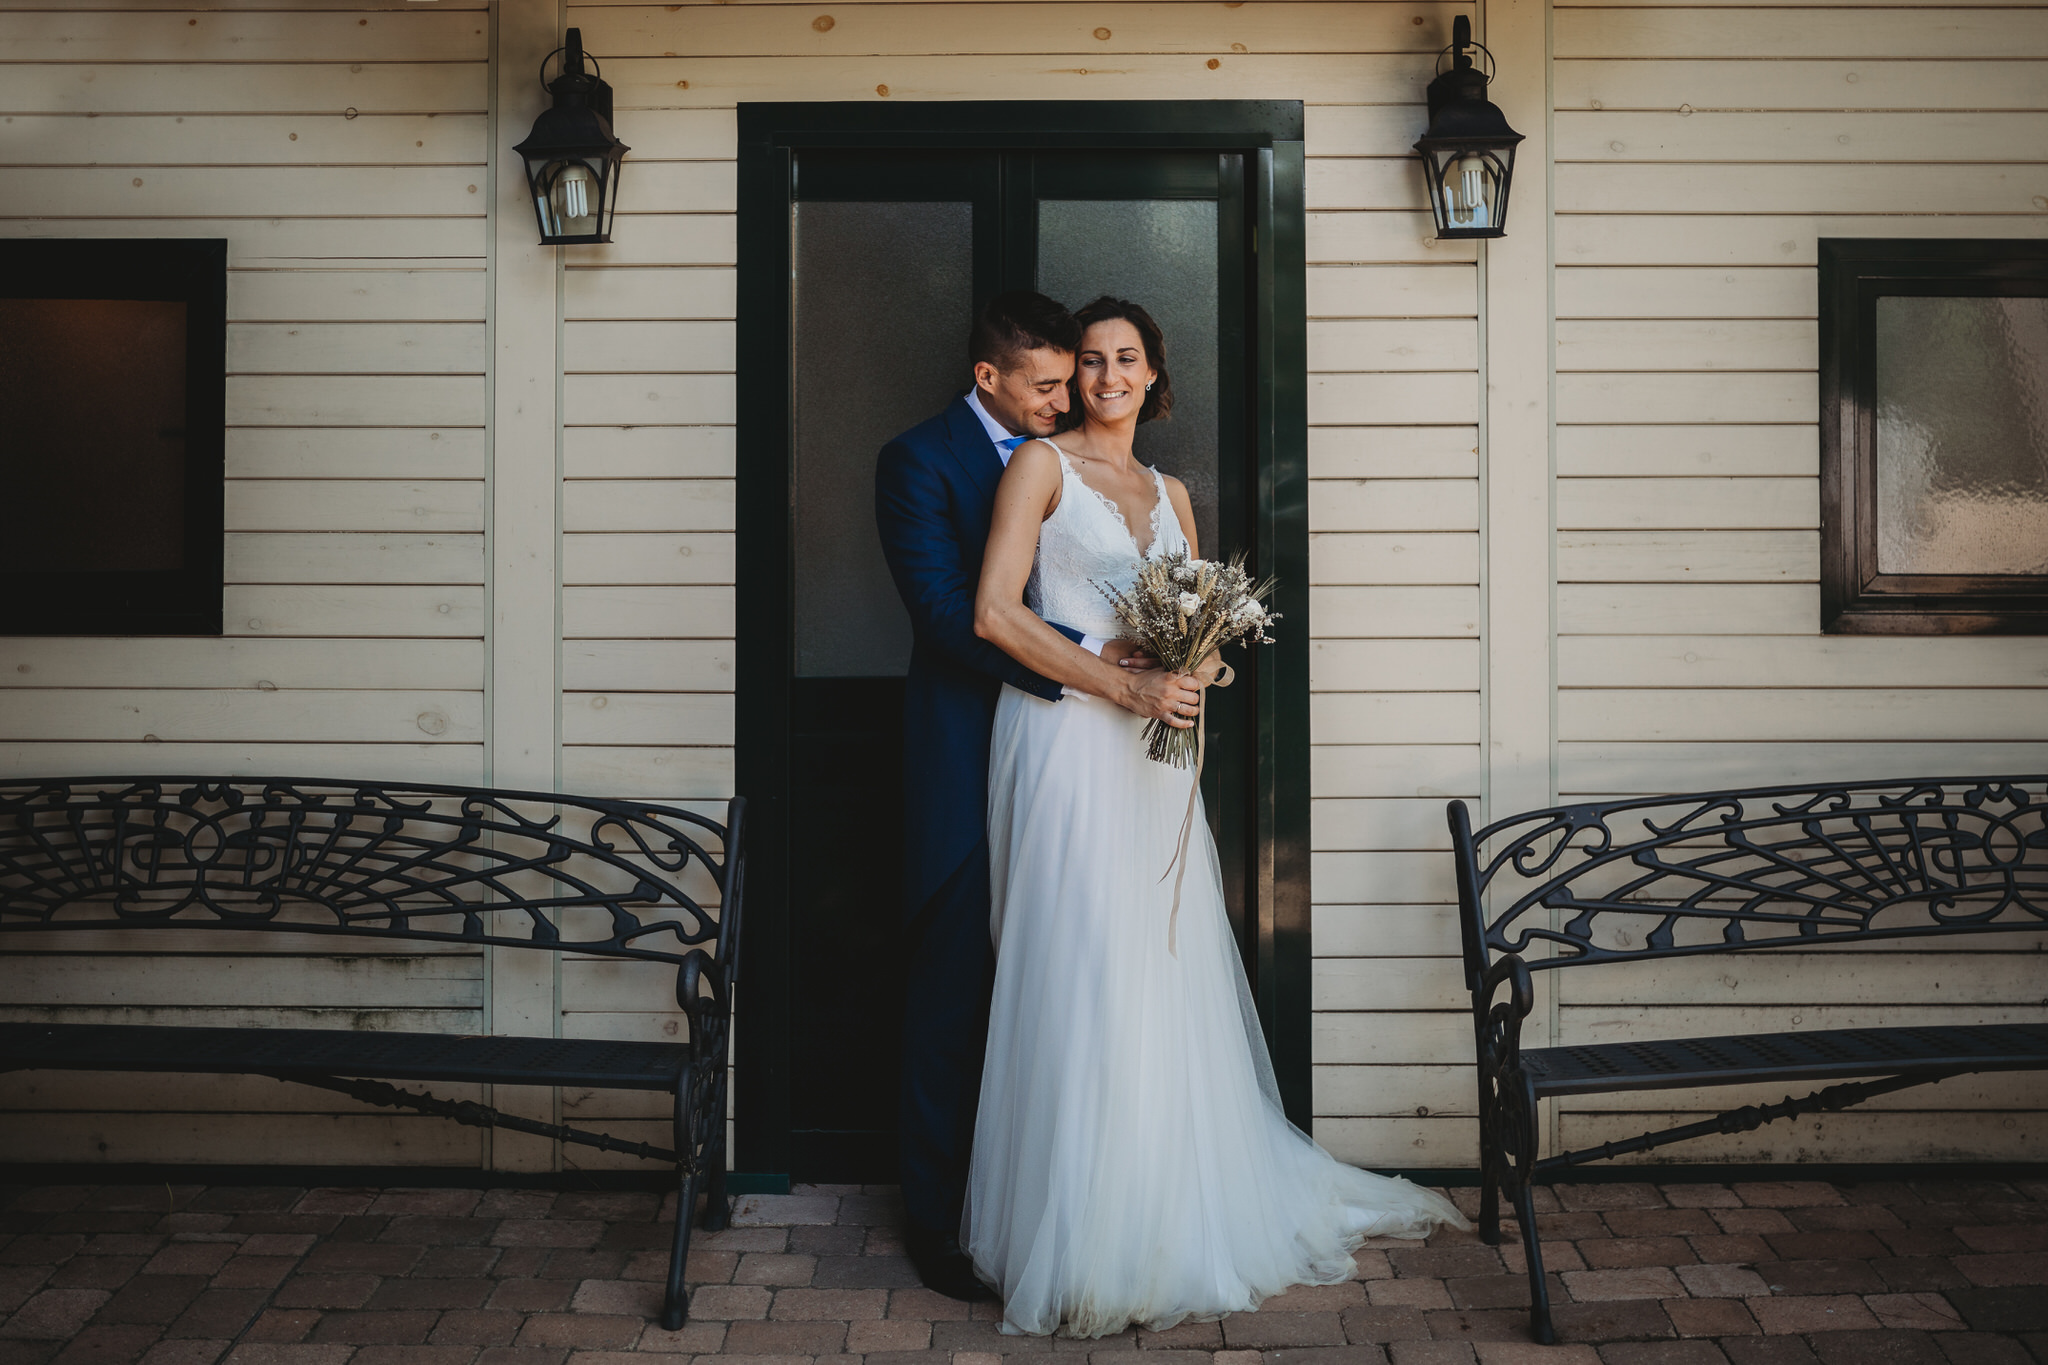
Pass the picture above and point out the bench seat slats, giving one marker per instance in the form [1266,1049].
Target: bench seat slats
[1819,1054]
[344,1052]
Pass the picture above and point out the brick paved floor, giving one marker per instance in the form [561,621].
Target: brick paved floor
[1795,1273]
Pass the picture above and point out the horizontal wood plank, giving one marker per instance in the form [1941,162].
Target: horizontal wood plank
[83,661]
[208,715]
[647,665]
[1393,291]
[647,613]
[1688,557]
[438,505]
[635,399]
[1380,237]
[1700,608]
[1393,557]
[417,35]
[649,771]
[1767,188]
[1430,771]
[447,295]
[452,764]
[409,453]
[328,138]
[704,292]
[444,348]
[647,347]
[1395,665]
[1743,344]
[1609,766]
[1687,504]
[1394,505]
[602,558]
[1823,661]
[1816,138]
[1383,344]
[1380,1038]
[1691,238]
[1785,713]
[1375,931]
[1653,292]
[641,718]
[1393,983]
[372,611]
[1630,451]
[648,504]
[1393,452]
[1666,33]
[315,84]
[281,191]
[1394,612]
[606,452]
[1743,398]
[1407,877]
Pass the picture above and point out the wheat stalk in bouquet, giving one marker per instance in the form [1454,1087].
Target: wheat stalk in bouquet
[1182,610]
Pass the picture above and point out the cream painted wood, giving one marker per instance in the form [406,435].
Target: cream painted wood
[375,453]
[721,82]
[1850,1136]
[1397,931]
[330,1139]
[354,609]
[1392,452]
[703,292]
[1394,612]
[1396,665]
[1412,1142]
[1620,714]
[1365,182]
[634,613]
[1403,877]
[696,239]
[421,762]
[649,772]
[1824,661]
[304,504]
[642,718]
[1621,766]
[995,28]
[270,243]
[452,294]
[1739,980]
[409,400]
[674,665]
[682,135]
[185,715]
[76,661]
[1376,825]
[1385,1091]
[1365,1038]
[1395,504]
[1393,291]
[1703,608]
[447,348]
[98,36]
[1380,344]
[647,452]
[1393,558]
[1365,237]
[642,347]
[319,981]
[1688,398]
[648,398]
[648,504]
[1365,128]
[1688,557]
[596,558]
[1435,771]
[1750,239]
[1393,399]
[144,1093]
[1787,32]
[685,186]
[1393,983]
[1967,1094]
[1866,138]
[1845,188]
[1623,451]
[1407,717]
[414,85]
[1721,292]
[1687,344]
[1687,504]
[198,191]
[326,557]
[325,139]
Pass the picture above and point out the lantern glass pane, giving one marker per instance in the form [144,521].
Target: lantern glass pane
[570,196]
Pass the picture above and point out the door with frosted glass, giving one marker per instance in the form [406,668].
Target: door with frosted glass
[891,252]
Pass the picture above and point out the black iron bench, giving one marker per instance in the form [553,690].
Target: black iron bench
[444,865]
[1798,868]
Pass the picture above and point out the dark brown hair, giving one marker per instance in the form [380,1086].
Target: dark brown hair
[1158,405]
[1016,322]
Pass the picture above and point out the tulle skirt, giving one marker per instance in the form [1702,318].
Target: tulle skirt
[1132,1163]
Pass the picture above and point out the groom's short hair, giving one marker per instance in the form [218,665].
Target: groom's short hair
[1017,321]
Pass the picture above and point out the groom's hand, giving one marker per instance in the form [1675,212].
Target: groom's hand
[1158,695]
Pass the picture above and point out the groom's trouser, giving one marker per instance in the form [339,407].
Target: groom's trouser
[952,970]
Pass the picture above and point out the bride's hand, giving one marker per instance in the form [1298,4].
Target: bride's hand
[1158,695]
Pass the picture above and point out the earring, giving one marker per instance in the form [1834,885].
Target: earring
[1148,387]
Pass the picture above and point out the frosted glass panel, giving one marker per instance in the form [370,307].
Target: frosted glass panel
[884,297]
[1962,435]
[1160,253]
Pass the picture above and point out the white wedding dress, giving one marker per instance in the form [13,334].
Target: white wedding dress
[1131,1160]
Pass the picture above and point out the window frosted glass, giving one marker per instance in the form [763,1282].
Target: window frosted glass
[1160,253]
[884,297]
[1962,435]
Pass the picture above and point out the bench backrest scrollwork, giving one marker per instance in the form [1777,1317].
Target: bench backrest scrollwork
[1760,868]
[444,864]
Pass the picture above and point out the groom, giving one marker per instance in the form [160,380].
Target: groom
[935,488]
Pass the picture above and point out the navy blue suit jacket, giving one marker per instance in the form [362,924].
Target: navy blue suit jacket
[935,492]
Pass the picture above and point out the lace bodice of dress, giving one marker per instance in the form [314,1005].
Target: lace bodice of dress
[1086,541]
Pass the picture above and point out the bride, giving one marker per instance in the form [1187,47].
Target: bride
[1131,1160]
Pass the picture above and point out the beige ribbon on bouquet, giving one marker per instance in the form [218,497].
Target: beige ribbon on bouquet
[1187,822]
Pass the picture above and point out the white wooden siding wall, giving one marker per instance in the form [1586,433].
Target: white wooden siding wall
[341,152]
[1702,151]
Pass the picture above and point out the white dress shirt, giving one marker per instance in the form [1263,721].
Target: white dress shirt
[1006,443]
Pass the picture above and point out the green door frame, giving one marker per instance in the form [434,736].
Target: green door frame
[1269,135]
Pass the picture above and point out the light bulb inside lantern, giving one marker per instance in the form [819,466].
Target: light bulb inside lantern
[1468,189]
[573,197]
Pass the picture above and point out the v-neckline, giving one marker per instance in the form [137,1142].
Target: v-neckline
[1109,505]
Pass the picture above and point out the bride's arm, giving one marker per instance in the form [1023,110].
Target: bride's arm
[1024,498]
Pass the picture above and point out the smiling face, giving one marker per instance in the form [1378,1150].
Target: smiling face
[1113,371]
[1030,397]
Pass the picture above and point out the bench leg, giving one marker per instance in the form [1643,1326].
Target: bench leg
[676,1304]
[1532,1251]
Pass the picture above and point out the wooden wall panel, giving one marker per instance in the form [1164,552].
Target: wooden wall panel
[1703,151]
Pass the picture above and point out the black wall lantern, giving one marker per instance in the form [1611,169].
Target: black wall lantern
[572,159]
[1468,154]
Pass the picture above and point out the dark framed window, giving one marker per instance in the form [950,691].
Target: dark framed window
[113,356]
[1934,436]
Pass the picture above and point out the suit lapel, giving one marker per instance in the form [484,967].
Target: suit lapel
[970,445]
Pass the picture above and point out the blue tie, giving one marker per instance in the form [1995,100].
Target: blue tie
[1009,444]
